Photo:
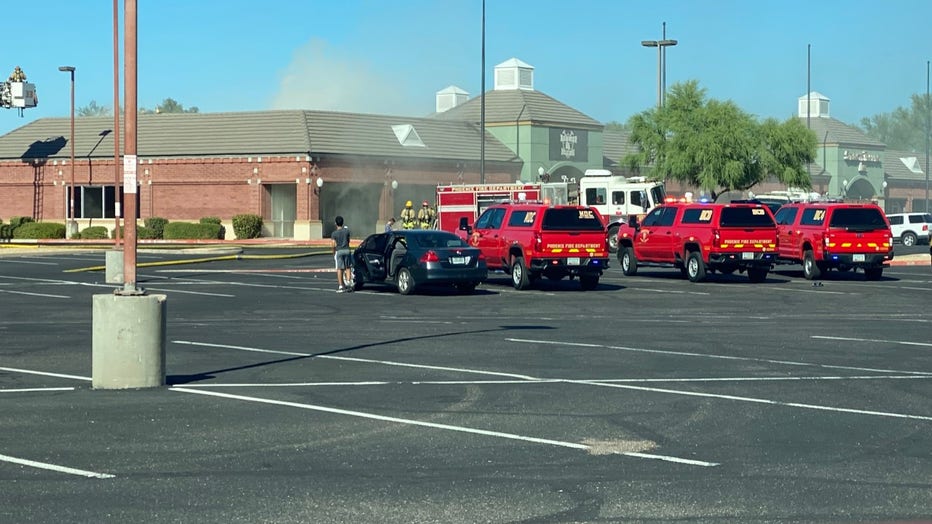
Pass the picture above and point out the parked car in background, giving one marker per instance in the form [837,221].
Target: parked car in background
[409,259]
[910,228]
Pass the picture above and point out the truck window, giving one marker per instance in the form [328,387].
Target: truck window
[697,215]
[786,216]
[745,217]
[812,217]
[657,195]
[636,199]
[572,219]
[491,219]
[860,218]
[668,216]
[595,195]
[522,218]
[653,218]
[618,198]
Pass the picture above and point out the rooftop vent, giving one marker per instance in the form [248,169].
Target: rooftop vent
[407,136]
[514,74]
[450,97]
[818,105]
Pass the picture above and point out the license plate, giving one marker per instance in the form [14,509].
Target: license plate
[572,261]
[459,261]
[857,258]
[747,256]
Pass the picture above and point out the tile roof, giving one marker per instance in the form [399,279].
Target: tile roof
[895,168]
[511,105]
[616,143]
[831,131]
[271,133]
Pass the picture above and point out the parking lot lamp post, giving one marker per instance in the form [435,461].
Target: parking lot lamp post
[661,46]
[72,223]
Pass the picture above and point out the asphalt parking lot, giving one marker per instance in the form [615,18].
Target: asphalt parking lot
[650,399]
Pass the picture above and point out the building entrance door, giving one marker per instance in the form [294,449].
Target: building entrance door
[284,209]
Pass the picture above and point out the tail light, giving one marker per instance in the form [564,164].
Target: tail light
[925,227]
[430,256]
[717,237]
[538,242]
[825,240]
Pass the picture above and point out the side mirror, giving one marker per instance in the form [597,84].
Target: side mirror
[464,225]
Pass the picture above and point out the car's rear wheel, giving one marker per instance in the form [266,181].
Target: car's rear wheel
[613,239]
[629,261]
[405,281]
[909,238]
[519,275]
[873,273]
[588,282]
[757,274]
[695,267]
[811,269]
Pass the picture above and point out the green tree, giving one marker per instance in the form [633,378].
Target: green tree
[904,128]
[717,147]
[92,109]
[170,105]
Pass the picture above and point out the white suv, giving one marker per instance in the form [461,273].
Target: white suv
[910,228]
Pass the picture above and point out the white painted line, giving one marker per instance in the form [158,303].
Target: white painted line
[763,401]
[670,291]
[759,379]
[204,293]
[53,467]
[378,383]
[718,357]
[900,342]
[34,390]
[448,427]
[355,359]
[816,290]
[44,373]
[44,295]
[20,261]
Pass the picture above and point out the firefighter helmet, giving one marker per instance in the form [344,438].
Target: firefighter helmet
[408,204]
[424,203]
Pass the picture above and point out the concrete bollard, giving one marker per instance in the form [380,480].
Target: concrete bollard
[128,341]
[115,266]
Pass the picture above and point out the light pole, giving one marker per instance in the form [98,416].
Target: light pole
[72,223]
[928,125]
[661,46]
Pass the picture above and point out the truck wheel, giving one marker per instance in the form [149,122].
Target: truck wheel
[588,282]
[405,281]
[613,239]
[757,274]
[811,269]
[909,238]
[629,261]
[519,276]
[695,267]
[873,273]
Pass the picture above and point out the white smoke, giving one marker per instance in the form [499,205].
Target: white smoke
[320,77]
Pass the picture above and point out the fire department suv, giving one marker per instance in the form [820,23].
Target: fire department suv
[701,238]
[529,240]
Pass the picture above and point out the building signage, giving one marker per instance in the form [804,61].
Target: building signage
[570,145]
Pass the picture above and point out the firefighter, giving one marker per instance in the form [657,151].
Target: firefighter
[408,216]
[426,216]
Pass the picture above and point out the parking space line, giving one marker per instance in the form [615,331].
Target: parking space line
[434,425]
[54,467]
[45,373]
[719,357]
[21,261]
[34,390]
[849,339]
[44,295]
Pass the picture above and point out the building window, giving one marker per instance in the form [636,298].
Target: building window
[96,201]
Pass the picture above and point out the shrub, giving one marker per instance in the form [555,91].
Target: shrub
[215,220]
[32,229]
[187,230]
[247,226]
[15,222]
[6,232]
[93,232]
[142,232]
[157,225]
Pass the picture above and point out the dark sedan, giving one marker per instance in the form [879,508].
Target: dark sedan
[409,259]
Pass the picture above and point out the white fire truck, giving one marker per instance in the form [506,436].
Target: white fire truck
[617,197]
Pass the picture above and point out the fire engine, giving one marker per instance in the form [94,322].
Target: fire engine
[455,202]
[617,197]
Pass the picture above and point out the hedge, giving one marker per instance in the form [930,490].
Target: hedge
[215,220]
[247,226]
[142,232]
[30,229]
[15,222]
[187,230]
[157,226]
[94,232]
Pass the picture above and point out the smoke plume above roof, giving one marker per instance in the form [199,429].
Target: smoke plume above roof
[320,77]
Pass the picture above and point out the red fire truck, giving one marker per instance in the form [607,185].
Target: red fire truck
[470,200]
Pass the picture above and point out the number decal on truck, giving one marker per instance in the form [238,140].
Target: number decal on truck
[529,217]
[586,214]
[757,211]
[706,215]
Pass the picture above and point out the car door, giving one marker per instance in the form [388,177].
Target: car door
[371,256]
[487,235]
[646,241]
[664,241]
[788,242]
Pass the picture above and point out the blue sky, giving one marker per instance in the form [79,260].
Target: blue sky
[391,57]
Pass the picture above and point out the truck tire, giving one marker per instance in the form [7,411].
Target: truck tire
[519,274]
[588,282]
[695,267]
[612,240]
[757,274]
[629,261]
[405,281]
[811,269]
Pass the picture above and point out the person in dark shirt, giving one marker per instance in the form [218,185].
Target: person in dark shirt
[342,256]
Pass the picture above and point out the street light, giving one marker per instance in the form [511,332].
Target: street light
[72,224]
[661,46]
